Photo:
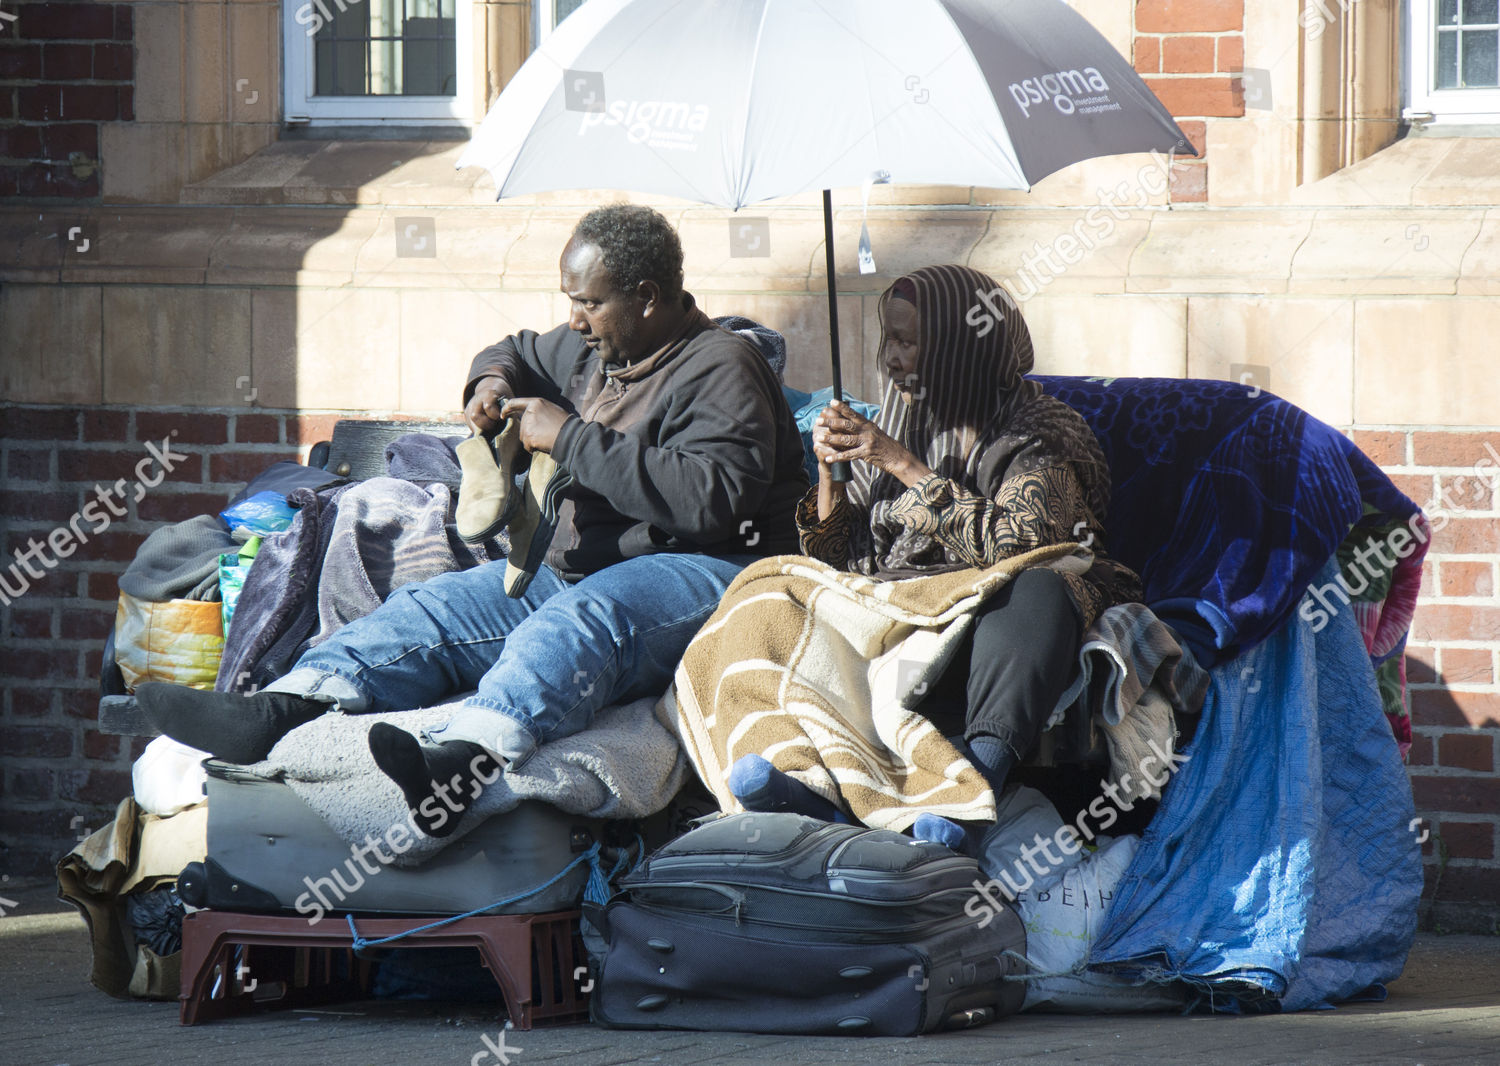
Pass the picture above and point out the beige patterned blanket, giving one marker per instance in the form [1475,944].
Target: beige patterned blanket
[817,670]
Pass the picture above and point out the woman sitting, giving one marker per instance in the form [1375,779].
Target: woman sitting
[967,465]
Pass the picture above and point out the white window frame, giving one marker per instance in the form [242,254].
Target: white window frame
[302,107]
[1446,106]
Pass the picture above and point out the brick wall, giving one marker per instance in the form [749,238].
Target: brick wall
[1451,655]
[64,69]
[58,774]
[1187,51]
[55,767]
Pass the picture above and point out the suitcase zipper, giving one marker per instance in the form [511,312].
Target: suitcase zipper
[893,936]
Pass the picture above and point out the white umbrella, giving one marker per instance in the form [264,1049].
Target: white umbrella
[733,102]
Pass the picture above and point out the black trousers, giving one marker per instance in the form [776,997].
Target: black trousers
[1006,680]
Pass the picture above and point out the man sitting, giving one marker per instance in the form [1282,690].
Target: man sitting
[685,464]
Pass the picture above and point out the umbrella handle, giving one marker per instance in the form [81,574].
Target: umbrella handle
[840,472]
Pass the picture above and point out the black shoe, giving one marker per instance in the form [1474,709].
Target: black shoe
[227,725]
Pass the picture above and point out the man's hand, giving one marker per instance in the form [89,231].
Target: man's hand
[483,411]
[540,421]
[841,434]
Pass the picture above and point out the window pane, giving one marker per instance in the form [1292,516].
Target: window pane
[1480,12]
[388,48]
[1480,55]
[1448,13]
[566,8]
[1446,74]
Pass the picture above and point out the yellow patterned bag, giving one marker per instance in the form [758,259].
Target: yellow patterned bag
[180,641]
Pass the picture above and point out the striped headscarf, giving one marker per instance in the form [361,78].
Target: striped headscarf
[973,417]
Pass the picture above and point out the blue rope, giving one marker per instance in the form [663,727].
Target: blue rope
[595,874]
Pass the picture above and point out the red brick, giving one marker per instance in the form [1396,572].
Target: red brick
[10,176]
[1446,707]
[113,545]
[65,137]
[1464,536]
[1469,840]
[31,784]
[64,22]
[179,506]
[38,423]
[1420,488]
[127,103]
[1467,751]
[1427,588]
[104,465]
[1438,622]
[59,180]
[44,742]
[67,62]
[257,429]
[138,747]
[1457,795]
[1435,448]
[124,22]
[239,467]
[81,702]
[309,429]
[101,102]
[1187,55]
[1468,666]
[28,464]
[42,506]
[39,103]
[1197,135]
[21,142]
[184,427]
[21,62]
[1231,53]
[1218,96]
[31,623]
[98,745]
[1148,55]
[1466,579]
[1465,492]
[1189,16]
[86,625]
[1420,752]
[103,586]
[30,702]
[1189,184]
[38,664]
[1385,448]
[98,786]
[114,62]
[106,425]
[1419,665]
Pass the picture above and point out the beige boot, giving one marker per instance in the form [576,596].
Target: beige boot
[487,496]
[535,522]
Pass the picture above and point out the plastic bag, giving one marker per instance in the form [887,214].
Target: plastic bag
[155,916]
[262,514]
[168,777]
[180,641]
[233,570]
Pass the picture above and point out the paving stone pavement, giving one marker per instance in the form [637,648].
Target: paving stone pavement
[1444,1009]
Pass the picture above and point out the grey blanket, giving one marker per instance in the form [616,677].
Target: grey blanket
[626,765]
[180,561]
[1134,676]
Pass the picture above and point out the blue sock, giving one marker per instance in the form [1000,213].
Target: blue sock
[960,837]
[993,758]
[761,787]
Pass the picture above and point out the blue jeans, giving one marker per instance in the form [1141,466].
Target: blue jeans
[541,665]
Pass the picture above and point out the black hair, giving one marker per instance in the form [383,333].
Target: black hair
[637,243]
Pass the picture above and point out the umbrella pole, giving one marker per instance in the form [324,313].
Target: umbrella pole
[840,471]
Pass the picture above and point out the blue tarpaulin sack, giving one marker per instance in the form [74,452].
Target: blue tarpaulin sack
[805,408]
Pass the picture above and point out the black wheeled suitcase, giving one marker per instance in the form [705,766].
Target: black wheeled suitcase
[776,923]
